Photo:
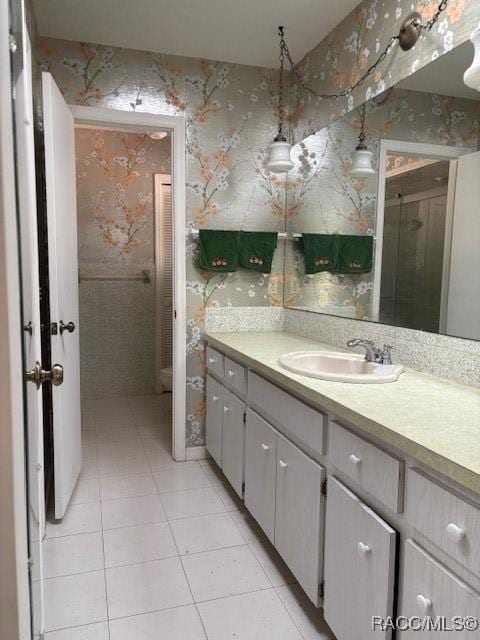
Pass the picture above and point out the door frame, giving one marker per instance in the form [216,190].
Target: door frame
[140,121]
[426,150]
[14,585]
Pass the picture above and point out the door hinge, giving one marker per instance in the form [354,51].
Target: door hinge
[321,590]
[324,487]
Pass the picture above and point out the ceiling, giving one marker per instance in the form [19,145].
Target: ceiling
[445,75]
[240,31]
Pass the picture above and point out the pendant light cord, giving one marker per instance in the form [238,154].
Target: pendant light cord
[285,53]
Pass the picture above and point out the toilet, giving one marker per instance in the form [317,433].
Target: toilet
[166,378]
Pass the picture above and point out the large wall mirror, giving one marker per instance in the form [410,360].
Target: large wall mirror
[401,243]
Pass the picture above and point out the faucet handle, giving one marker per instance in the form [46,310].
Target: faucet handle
[386,354]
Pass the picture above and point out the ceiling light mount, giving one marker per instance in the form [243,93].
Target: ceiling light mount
[410,31]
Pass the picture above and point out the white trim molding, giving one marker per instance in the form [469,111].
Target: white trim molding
[140,121]
[197,453]
[425,150]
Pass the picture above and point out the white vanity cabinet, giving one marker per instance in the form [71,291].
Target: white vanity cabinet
[214,419]
[299,516]
[283,492]
[310,480]
[233,440]
[225,418]
[261,472]
[359,566]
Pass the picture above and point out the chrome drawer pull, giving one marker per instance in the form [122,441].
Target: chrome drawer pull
[226,409]
[455,533]
[215,398]
[423,603]
[211,360]
[283,464]
[354,459]
[265,447]
[231,373]
[363,548]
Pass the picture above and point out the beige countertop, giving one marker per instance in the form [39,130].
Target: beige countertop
[430,419]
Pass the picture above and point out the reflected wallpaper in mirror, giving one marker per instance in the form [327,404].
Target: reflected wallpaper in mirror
[414,204]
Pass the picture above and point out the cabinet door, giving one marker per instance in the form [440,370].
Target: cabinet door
[431,591]
[233,443]
[214,419]
[299,516]
[359,566]
[260,470]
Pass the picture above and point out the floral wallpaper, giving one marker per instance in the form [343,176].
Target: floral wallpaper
[325,199]
[355,44]
[115,195]
[231,113]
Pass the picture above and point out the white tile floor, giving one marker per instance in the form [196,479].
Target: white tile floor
[150,548]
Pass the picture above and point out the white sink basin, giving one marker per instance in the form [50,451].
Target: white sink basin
[339,367]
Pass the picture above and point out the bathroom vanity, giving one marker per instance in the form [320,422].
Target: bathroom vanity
[370,493]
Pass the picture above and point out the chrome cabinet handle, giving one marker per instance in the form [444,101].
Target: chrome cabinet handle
[265,447]
[455,533]
[423,603]
[70,327]
[211,360]
[354,459]
[226,409]
[231,373]
[215,398]
[283,464]
[363,548]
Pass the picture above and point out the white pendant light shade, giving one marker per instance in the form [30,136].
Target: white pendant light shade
[361,163]
[280,161]
[471,77]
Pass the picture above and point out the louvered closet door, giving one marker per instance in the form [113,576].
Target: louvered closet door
[164,271]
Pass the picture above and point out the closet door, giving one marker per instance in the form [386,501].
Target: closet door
[214,419]
[233,441]
[299,516]
[260,471]
[359,566]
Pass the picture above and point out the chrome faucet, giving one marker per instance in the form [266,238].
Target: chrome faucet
[372,354]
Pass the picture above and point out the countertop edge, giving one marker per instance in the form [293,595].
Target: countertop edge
[445,466]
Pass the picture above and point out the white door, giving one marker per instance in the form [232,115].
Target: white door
[63,283]
[463,314]
[27,215]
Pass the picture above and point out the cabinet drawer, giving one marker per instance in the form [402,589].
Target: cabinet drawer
[215,362]
[359,566]
[299,516]
[235,377]
[214,419]
[299,421]
[260,471]
[377,472]
[429,589]
[447,520]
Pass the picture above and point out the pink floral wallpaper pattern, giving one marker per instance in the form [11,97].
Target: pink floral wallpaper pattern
[230,112]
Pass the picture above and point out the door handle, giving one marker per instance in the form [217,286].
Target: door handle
[70,327]
[38,375]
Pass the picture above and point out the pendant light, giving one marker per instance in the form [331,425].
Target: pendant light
[280,161]
[471,77]
[361,157]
